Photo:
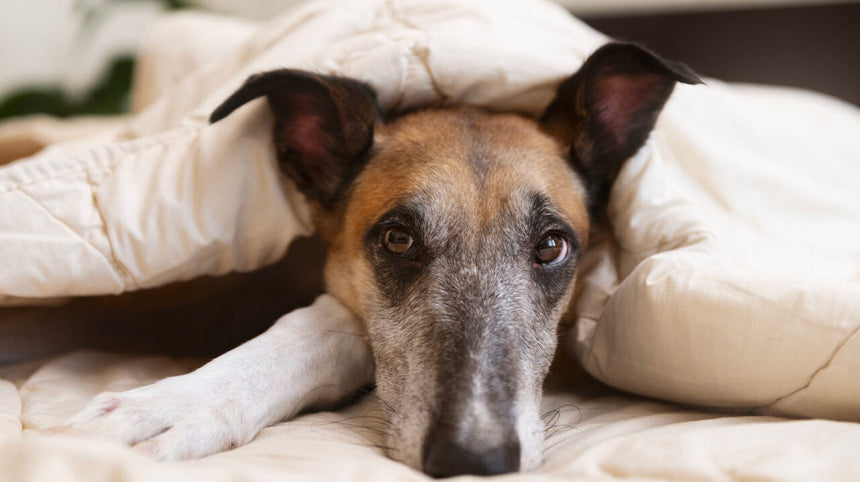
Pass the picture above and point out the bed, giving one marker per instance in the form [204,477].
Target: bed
[716,317]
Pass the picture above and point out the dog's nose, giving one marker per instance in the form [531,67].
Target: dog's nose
[447,459]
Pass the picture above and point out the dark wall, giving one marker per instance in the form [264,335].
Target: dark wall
[812,47]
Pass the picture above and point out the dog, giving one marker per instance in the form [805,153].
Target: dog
[453,239]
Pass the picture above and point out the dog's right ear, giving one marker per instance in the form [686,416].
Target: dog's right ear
[323,127]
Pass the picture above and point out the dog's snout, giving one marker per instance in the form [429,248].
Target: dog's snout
[443,458]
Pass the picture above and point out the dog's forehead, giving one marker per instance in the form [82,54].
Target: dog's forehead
[467,161]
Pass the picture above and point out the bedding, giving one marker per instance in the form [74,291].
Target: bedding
[730,276]
[594,433]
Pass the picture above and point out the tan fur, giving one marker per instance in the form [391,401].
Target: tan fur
[436,150]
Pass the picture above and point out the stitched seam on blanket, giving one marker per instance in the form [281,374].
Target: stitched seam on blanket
[422,54]
[64,224]
[823,367]
[123,147]
[118,265]
[18,187]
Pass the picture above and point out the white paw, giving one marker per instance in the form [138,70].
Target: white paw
[169,420]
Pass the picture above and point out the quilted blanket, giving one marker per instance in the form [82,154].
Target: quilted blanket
[730,276]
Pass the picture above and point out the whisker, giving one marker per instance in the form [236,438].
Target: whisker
[553,429]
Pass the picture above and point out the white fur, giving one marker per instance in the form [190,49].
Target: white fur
[311,357]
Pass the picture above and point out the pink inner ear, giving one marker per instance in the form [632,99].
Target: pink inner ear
[303,125]
[619,98]
[305,135]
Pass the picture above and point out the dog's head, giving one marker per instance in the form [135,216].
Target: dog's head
[454,234]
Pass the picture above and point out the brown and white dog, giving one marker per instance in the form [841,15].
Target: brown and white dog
[454,236]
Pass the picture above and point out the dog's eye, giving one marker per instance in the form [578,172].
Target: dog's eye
[398,242]
[550,248]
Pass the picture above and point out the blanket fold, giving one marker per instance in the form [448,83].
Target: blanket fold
[729,277]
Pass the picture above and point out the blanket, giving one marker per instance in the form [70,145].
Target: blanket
[593,433]
[729,277]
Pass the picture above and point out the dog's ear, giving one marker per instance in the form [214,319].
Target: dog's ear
[323,127]
[606,110]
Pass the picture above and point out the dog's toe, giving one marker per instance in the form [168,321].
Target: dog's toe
[190,439]
[173,419]
[134,416]
[101,405]
[122,418]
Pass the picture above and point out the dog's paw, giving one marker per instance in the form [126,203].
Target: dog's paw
[169,420]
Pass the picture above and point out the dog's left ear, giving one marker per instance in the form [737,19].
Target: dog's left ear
[607,109]
[323,127]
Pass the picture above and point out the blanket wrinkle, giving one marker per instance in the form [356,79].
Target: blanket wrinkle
[125,274]
[54,217]
[422,53]
[10,410]
[662,221]
[731,193]
[27,171]
[419,51]
[852,334]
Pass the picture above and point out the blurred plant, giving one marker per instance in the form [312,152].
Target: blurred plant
[109,96]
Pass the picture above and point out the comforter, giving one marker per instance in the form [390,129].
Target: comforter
[729,277]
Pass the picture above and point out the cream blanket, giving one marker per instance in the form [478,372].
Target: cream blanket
[732,279]
[593,434]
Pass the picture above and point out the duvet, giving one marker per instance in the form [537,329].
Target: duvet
[729,277]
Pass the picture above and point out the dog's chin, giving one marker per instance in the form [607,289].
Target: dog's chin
[530,429]
[405,440]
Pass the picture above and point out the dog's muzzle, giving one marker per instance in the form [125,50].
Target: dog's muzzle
[443,458]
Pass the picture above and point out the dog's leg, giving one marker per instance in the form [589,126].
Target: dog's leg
[311,358]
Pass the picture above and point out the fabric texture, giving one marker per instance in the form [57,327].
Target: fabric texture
[730,277]
[735,280]
[593,433]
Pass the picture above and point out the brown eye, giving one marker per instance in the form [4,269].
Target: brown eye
[398,242]
[550,248]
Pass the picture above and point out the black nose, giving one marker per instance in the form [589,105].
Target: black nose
[447,459]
